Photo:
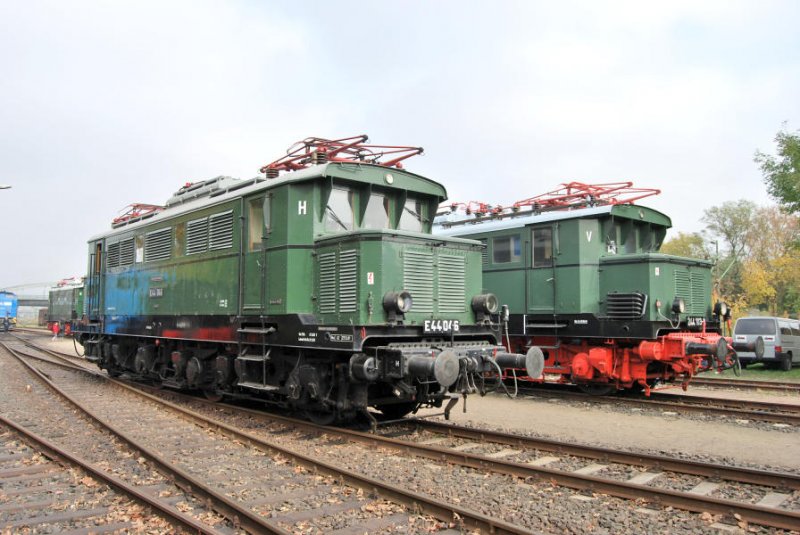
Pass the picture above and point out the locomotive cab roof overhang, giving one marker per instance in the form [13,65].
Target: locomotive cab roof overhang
[222,189]
[468,227]
[366,234]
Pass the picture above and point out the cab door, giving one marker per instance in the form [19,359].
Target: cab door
[254,253]
[541,283]
[94,283]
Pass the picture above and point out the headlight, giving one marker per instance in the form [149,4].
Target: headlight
[678,305]
[485,303]
[721,309]
[399,302]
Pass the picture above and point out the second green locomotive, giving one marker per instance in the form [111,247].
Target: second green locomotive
[321,289]
[587,288]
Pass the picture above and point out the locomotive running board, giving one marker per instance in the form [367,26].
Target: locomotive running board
[259,386]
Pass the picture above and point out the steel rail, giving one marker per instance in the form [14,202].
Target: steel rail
[55,452]
[682,466]
[236,513]
[730,473]
[698,503]
[702,404]
[780,386]
[415,501]
[747,404]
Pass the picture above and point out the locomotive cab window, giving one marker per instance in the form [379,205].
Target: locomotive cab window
[506,249]
[339,211]
[411,217]
[255,224]
[542,247]
[377,213]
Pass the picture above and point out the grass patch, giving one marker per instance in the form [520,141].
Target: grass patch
[757,372]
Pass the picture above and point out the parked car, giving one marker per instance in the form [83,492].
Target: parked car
[781,341]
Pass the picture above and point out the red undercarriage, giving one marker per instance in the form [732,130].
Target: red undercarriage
[623,364]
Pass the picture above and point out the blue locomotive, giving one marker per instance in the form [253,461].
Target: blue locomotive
[8,309]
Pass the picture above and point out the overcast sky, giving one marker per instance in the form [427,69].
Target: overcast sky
[107,103]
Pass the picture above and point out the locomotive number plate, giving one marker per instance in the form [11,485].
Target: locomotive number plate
[694,321]
[441,326]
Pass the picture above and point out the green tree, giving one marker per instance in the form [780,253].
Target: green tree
[688,244]
[730,224]
[782,172]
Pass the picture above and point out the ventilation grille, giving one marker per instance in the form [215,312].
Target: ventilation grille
[197,236]
[484,254]
[348,278]
[126,252]
[418,279]
[338,282]
[692,289]
[327,283]
[112,255]
[220,231]
[451,284]
[626,306]
[157,245]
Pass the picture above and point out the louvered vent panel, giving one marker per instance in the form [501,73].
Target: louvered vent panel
[625,306]
[126,252]
[418,279]
[699,293]
[348,279]
[158,245]
[220,231]
[683,287]
[451,284]
[484,254]
[112,256]
[327,283]
[197,236]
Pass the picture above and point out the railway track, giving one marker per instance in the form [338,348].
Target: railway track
[774,412]
[46,489]
[106,451]
[775,386]
[760,497]
[253,472]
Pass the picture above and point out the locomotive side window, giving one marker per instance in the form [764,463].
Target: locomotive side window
[411,218]
[255,224]
[339,212]
[267,215]
[542,247]
[98,258]
[506,249]
[377,212]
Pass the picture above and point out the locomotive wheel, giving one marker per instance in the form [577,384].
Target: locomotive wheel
[212,395]
[321,417]
[597,389]
[395,411]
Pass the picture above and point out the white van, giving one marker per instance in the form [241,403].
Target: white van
[781,341]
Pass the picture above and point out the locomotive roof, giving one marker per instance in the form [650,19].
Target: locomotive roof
[235,188]
[465,227]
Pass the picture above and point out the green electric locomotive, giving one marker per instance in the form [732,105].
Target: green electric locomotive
[65,305]
[318,287]
[580,271]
